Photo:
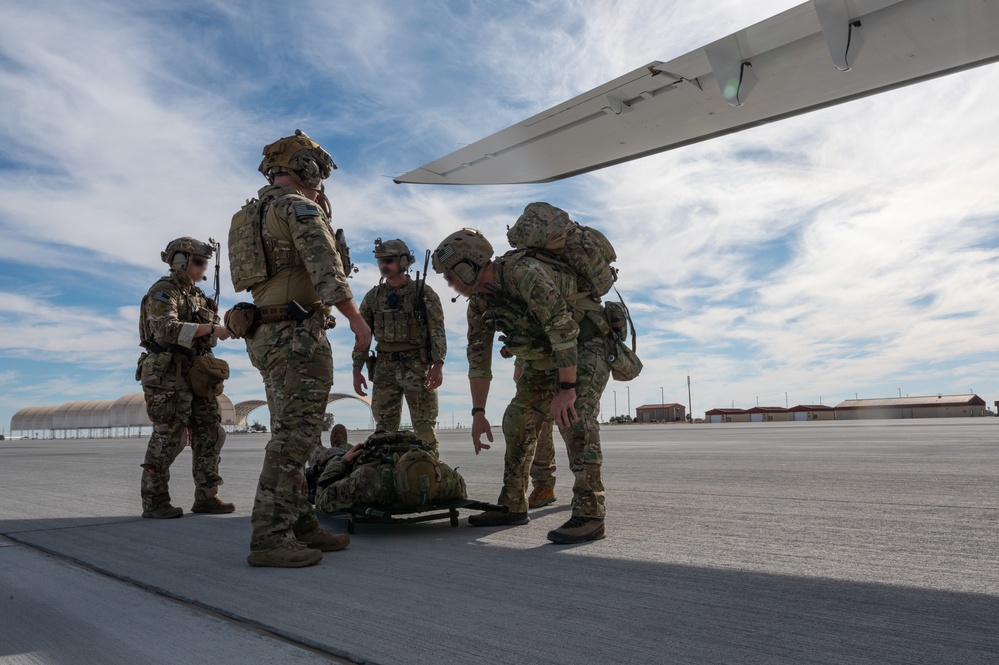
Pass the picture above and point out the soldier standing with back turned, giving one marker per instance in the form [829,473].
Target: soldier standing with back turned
[407,319]
[282,248]
[177,322]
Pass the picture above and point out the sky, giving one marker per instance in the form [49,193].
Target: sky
[847,252]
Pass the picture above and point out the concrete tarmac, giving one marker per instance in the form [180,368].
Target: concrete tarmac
[826,542]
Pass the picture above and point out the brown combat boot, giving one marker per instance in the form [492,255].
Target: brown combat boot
[541,496]
[289,555]
[212,506]
[498,519]
[338,437]
[162,511]
[323,540]
[578,530]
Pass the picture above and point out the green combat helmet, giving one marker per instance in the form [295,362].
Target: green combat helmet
[185,247]
[464,253]
[393,248]
[298,156]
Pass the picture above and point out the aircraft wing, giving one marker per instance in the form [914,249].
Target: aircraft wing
[814,55]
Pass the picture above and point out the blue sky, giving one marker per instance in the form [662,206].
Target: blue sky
[847,251]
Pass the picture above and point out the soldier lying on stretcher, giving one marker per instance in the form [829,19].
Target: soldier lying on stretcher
[389,470]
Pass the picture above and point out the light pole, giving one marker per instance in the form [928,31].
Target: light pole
[662,401]
[629,400]
[615,404]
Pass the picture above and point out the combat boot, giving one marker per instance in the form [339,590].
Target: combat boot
[338,437]
[541,496]
[323,540]
[498,519]
[160,510]
[212,506]
[289,555]
[578,530]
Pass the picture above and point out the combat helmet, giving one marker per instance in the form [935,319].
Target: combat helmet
[298,156]
[464,253]
[186,247]
[391,248]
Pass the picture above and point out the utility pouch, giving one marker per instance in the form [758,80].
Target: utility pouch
[370,363]
[138,365]
[624,363]
[207,375]
[242,320]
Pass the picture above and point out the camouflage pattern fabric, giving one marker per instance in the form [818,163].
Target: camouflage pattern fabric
[382,307]
[531,310]
[529,413]
[370,484]
[543,465]
[169,315]
[296,364]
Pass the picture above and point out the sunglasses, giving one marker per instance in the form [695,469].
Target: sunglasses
[387,259]
[199,261]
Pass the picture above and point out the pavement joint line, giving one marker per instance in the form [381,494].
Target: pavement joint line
[124,520]
[201,608]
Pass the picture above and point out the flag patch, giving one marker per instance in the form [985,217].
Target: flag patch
[306,210]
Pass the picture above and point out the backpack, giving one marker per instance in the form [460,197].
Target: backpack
[422,480]
[547,233]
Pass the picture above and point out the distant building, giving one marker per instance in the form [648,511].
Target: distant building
[939,406]
[813,412]
[766,414]
[661,413]
[727,416]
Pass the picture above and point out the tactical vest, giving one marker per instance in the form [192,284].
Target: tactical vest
[195,307]
[254,254]
[399,328]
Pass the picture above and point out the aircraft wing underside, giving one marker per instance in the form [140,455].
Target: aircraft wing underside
[814,55]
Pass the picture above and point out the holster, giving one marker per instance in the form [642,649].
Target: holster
[370,363]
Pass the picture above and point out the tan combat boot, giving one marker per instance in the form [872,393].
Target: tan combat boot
[160,509]
[212,506]
[289,555]
[323,540]
[541,496]
[578,530]
[338,437]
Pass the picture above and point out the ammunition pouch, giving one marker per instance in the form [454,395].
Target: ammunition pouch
[207,375]
[624,363]
[242,320]
[138,365]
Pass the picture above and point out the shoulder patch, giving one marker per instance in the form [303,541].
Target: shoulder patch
[306,210]
[162,297]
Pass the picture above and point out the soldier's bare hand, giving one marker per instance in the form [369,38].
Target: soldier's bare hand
[362,333]
[359,382]
[353,453]
[563,408]
[481,426]
[221,332]
[435,376]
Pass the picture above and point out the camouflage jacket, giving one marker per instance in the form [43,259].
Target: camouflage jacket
[528,304]
[170,313]
[399,323]
[313,270]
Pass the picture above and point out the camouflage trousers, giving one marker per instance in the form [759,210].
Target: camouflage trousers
[172,411]
[296,364]
[530,411]
[368,484]
[543,466]
[395,379]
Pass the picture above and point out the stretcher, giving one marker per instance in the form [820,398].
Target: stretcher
[360,514]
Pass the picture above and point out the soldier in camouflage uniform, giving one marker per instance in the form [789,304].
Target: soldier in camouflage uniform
[407,320]
[281,246]
[543,465]
[177,322]
[364,474]
[565,373]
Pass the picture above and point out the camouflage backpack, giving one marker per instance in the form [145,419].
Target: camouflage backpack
[423,480]
[546,233]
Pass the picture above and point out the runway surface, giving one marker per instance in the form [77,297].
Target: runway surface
[825,542]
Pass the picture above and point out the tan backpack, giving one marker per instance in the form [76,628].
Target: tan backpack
[423,480]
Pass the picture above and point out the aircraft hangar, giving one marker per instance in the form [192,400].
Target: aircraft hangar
[122,417]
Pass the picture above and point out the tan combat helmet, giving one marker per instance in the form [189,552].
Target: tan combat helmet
[396,247]
[464,253]
[298,156]
[186,247]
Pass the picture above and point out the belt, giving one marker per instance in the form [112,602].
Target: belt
[154,347]
[399,355]
[276,314]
